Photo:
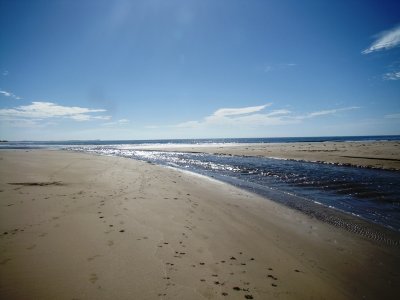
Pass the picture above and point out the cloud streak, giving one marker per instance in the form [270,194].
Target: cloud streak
[9,94]
[254,116]
[223,112]
[37,111]
[120,122]
[392,76]
[326,112]
[385,40]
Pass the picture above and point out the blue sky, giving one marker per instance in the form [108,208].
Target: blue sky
[197,69]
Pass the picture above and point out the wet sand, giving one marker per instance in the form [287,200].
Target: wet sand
[79,226]
[383,155]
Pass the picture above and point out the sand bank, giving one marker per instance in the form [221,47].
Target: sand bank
[78,226]
[384,155]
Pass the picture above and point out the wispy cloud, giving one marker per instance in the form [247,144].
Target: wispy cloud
[85,117]
[253,116]
[119,122]
[4,73]
[393,116]
[385,40]
[9,94]
[222,112]
[392,76]
[38,111]
[326,112]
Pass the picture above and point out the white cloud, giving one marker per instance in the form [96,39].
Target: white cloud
[252,116]
[236,116]
[101,117]
[326,112]
[226,116]
[4,73]
[385,40]
[5,93]
[392,76]
[279,112]
[85,117]
[119,122]
[9,94]
[222,112]
[37,111]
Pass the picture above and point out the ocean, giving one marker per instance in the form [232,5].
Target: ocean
[57,144]
[348,197]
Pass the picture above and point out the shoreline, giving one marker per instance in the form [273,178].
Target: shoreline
[341,219]
[377,154]
[174,235]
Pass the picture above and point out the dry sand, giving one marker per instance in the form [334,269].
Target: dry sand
[79,226]
[384,155]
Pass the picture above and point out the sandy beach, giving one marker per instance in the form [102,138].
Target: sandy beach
[383,155]
[80,226]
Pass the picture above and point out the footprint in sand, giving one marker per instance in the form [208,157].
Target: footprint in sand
[93,257]
[93,278]
[110,243]
[4,261]
[31,247]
